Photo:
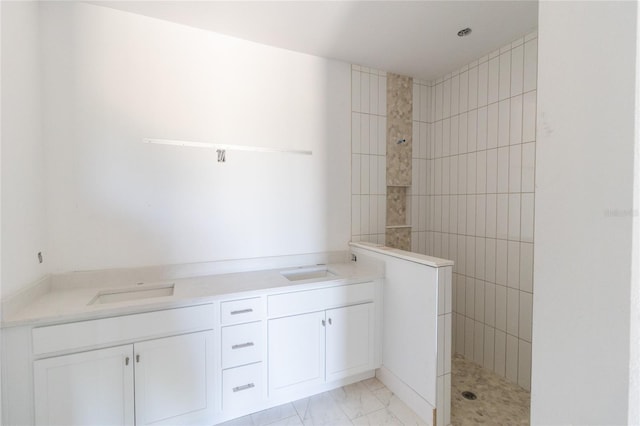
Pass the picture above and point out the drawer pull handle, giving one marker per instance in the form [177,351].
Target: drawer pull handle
[242,345]
[244,387]
[242,311]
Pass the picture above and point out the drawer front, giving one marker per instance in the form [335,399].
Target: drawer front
[240,311]
[242,388]
[317,300]
[126,328]
[242,344]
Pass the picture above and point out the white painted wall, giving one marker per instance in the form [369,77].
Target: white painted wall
[584,202]
[113,78]
[23,189]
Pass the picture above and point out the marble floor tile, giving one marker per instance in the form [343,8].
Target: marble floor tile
[373,384]
[398,408]
[263,418]
[320,410]
[383,417]
[289,421]
[356,400]
[240,421]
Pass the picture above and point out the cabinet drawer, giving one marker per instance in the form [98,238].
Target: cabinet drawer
[317,300]
[126,328]
[242,388]
[242,344]
[239,311]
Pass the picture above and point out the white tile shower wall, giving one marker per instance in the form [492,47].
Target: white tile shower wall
[368,154]
[474,202]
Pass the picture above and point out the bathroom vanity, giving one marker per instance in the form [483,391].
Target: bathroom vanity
[207,349]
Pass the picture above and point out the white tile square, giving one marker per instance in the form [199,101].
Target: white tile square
[500,350]
[364,214]
[473,89]
[526,309]
[382,174]
[471,215]
[501,308]
[364,92]
[423,176]
[517,64]
[424,103]
[465,87]
[490,260]
[502,216]
[373,214]
[364,133]
[469,337]
[355,133]
[355,174]
[416,102]
[448,291]
[480,258]
[524,364]
[491,216]
[511,371]
[373,94]
[492,171]
[528,166]
[463,133]
[382,136]
[529,117]
[373,134]
[415,214]
[526,267]
[382,96]
[514,217]
[355,91]
[453,211]
[513,264]
[470,256]
[481,172]
[493,80]
[515,130]
[355,215]
[504,109]
[526,218]
[438,140]
[489,343]
[482,128]
[483,83]
[462,174]
[415,136]
[505,75]
[462,214]
[492,126]
[461,292]
[503,169]
[471,172]
[453,174]
[446,99]
[490,303]
[530,65]
[437,166]
[472,130]
[515,43]
[478,349]
[365,165]
[515,168]
[414,242]
[513,309]
[502,250]
[439,99]
[424,134]
[446,136]
[459,335]
[455,94]
[531,35]
[455,128]
[462,254]
[445,215]
[479,301]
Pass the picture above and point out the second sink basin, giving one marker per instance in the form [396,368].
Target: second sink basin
[308,274]
[125,295]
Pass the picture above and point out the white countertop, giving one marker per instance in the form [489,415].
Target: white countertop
[58,305]
[423,259]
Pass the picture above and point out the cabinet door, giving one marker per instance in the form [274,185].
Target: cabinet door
[173,380]
[296,352]
[349,340]
[88,388]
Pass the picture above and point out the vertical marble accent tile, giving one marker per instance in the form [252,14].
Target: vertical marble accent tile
[399,238]
[399,127]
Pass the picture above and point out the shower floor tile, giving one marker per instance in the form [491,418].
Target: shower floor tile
[498,401]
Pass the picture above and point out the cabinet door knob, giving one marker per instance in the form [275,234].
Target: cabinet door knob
[323,323]
[126,361]
[329,321]
[137,357]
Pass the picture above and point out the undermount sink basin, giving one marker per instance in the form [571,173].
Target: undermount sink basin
[308,274]
[125,295]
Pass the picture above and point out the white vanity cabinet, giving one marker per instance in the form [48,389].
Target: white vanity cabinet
[168,380]
[307,349]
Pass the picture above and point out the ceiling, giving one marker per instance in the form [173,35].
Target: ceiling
[415,38]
